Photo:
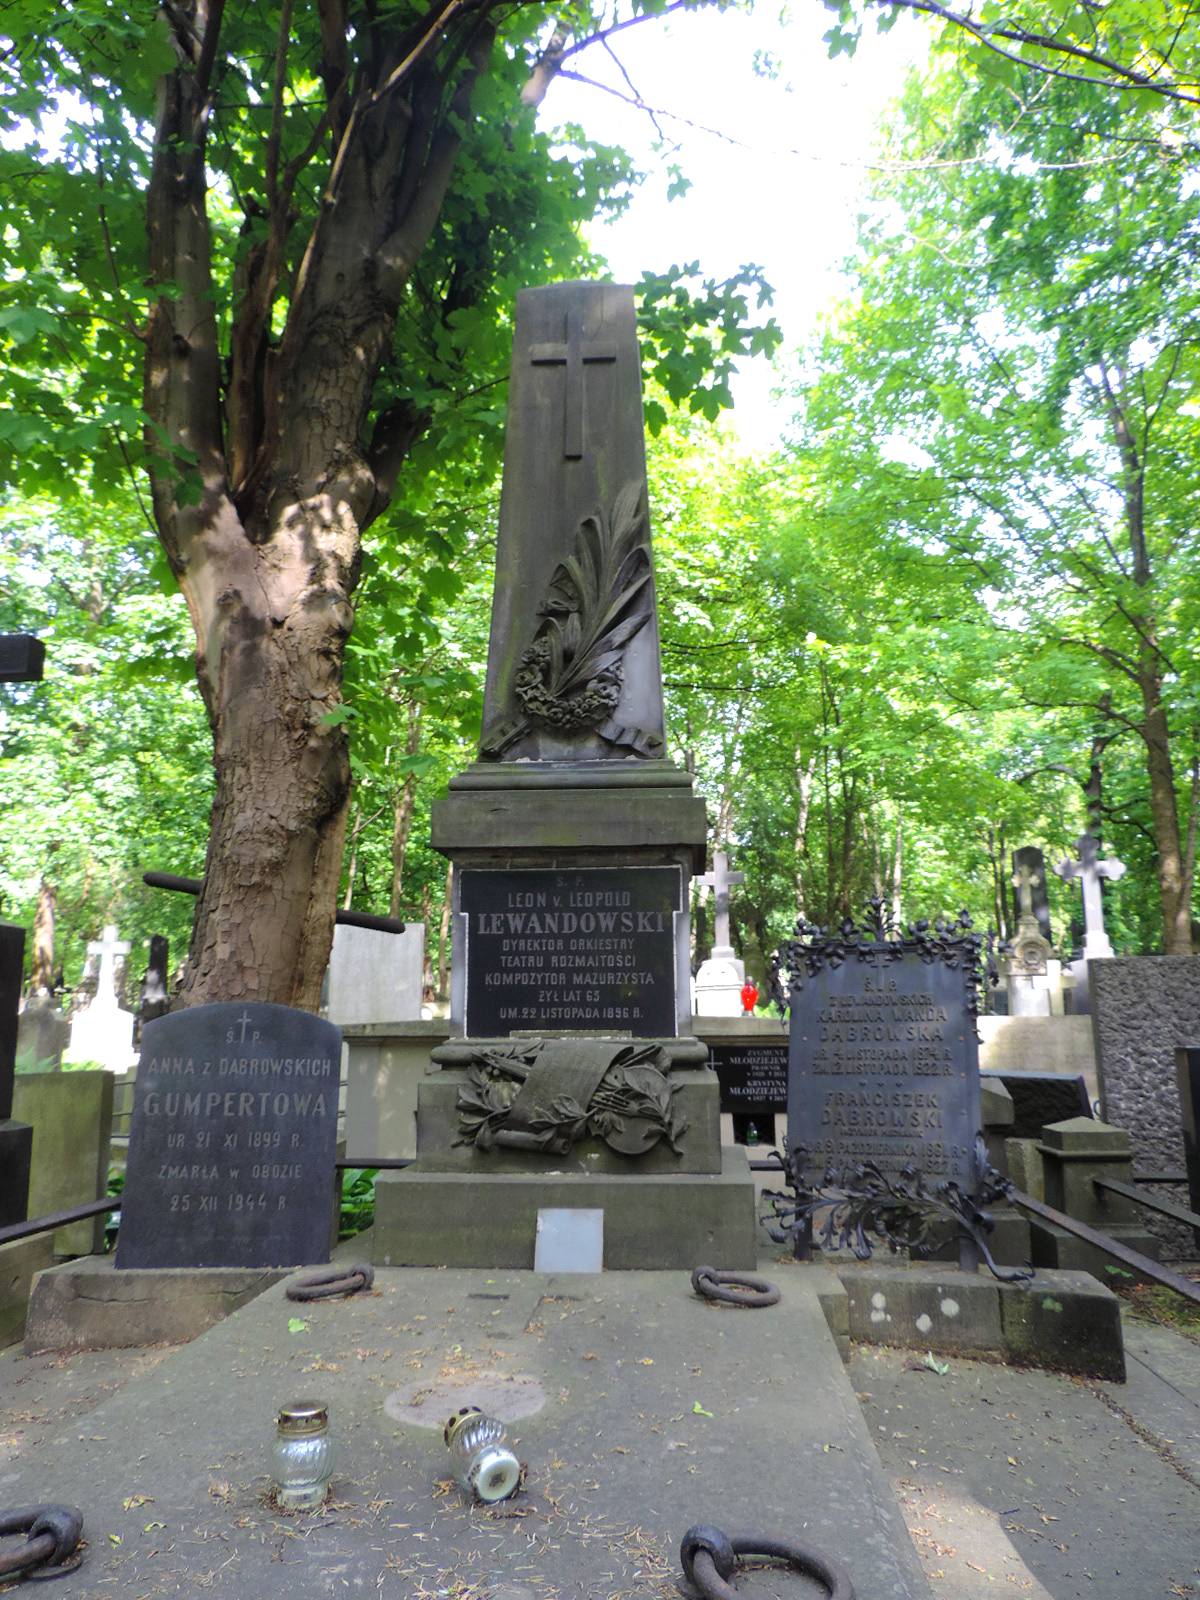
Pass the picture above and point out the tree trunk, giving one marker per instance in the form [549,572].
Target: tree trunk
[264,921]
[1175,887]
[804,788]
[1174,882]
[41,976]
[263,470]
[402,815]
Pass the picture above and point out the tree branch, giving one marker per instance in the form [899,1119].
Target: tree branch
[986,34]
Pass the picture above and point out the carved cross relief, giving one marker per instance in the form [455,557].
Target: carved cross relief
[573,354]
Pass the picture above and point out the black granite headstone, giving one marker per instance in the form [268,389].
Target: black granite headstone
[591,947]
[1042,1097]
[16,1138]
[233,1140]
[22,658]
[753,1076]
[153,999]
[1187,1069]
[884,1067]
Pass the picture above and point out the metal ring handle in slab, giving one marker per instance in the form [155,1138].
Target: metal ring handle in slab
[332,1281]
[734,1288]
[51,1547]
[708,1557]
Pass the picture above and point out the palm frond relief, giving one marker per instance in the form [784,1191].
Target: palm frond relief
[570,676]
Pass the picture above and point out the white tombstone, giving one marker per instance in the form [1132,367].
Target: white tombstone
[375,977]
[1089,869]
[718,988]
[102,1031]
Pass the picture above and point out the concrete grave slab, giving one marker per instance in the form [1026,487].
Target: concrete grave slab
[660,1410]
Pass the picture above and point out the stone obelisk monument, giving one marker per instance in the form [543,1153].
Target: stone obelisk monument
[572,1082]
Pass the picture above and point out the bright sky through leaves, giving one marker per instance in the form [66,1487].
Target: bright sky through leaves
[777,183]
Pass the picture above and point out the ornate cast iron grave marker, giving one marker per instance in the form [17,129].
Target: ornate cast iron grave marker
[588,948]
[884,1120]
[233,1140]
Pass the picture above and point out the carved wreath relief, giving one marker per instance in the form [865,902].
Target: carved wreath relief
[531,1096]
[569,677]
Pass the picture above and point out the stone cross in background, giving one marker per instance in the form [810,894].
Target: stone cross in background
[1029,861]
[108,947]
[1024,882]
[718,988]
[102,1031]
[720,880]
[1089,869]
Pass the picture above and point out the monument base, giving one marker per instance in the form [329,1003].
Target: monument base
[91,1304]
[657,1221]
[20,1262]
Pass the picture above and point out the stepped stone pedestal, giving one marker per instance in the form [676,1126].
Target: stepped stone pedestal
[462,1206]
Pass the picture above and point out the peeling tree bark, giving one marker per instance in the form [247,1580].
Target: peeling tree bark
[262,478]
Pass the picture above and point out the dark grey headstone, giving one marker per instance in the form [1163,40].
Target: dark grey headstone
[884,1067]
[22,658]
[592,947]
[753,1076]
[1144,1009]
[1042,1097]
[1187,1071]
[153,999]
[16,1138]
[233,1140]
[12,959]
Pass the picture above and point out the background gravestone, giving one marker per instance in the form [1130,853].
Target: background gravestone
[233,1141]
[1144,1008]
[1029,861]
[1187,1066]
[1042,1097]
[753,1076]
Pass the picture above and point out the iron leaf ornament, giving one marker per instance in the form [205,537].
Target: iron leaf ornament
[569,677]
[878,940]
[902,1212]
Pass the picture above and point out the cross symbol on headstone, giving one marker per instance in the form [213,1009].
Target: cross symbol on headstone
[1089,869]
[245,1020]
[572,354]
[720,880]
[108,947]
[1025,881]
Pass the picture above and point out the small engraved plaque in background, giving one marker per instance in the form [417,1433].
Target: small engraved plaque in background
[233,1140]
[586,947]
[884,1067]
[753,1076]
